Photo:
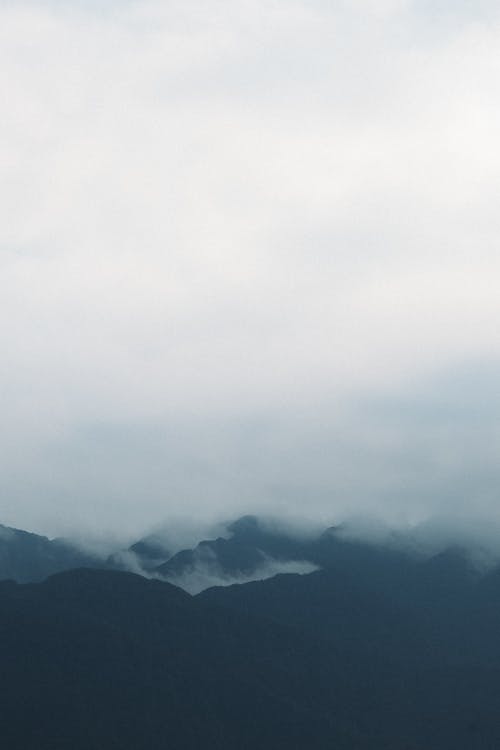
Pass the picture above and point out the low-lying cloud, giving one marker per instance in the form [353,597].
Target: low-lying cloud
[204,576]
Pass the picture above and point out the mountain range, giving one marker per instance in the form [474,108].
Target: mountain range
[374,648]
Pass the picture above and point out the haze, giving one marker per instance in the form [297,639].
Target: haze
[249,261]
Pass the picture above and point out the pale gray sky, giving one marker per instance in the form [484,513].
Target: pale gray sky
[248,259]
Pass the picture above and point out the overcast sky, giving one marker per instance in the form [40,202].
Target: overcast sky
[249,259]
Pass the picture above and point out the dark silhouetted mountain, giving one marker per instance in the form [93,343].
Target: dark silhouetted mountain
[377,649]
[144,556]
[248,550]
[98,659]
[392,653]
[29,557]
[419,637]
[151,551]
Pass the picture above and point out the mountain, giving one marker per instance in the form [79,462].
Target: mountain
[251,549]
[28,557]
[98,659]
[419,638]
[144,556]
[376,649]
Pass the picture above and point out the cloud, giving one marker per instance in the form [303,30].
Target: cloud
[240,240]
[206,575]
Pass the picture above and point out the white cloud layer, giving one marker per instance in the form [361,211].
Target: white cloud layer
[248,258]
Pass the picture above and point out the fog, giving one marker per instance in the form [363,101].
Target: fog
[205,576]
[248,263]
